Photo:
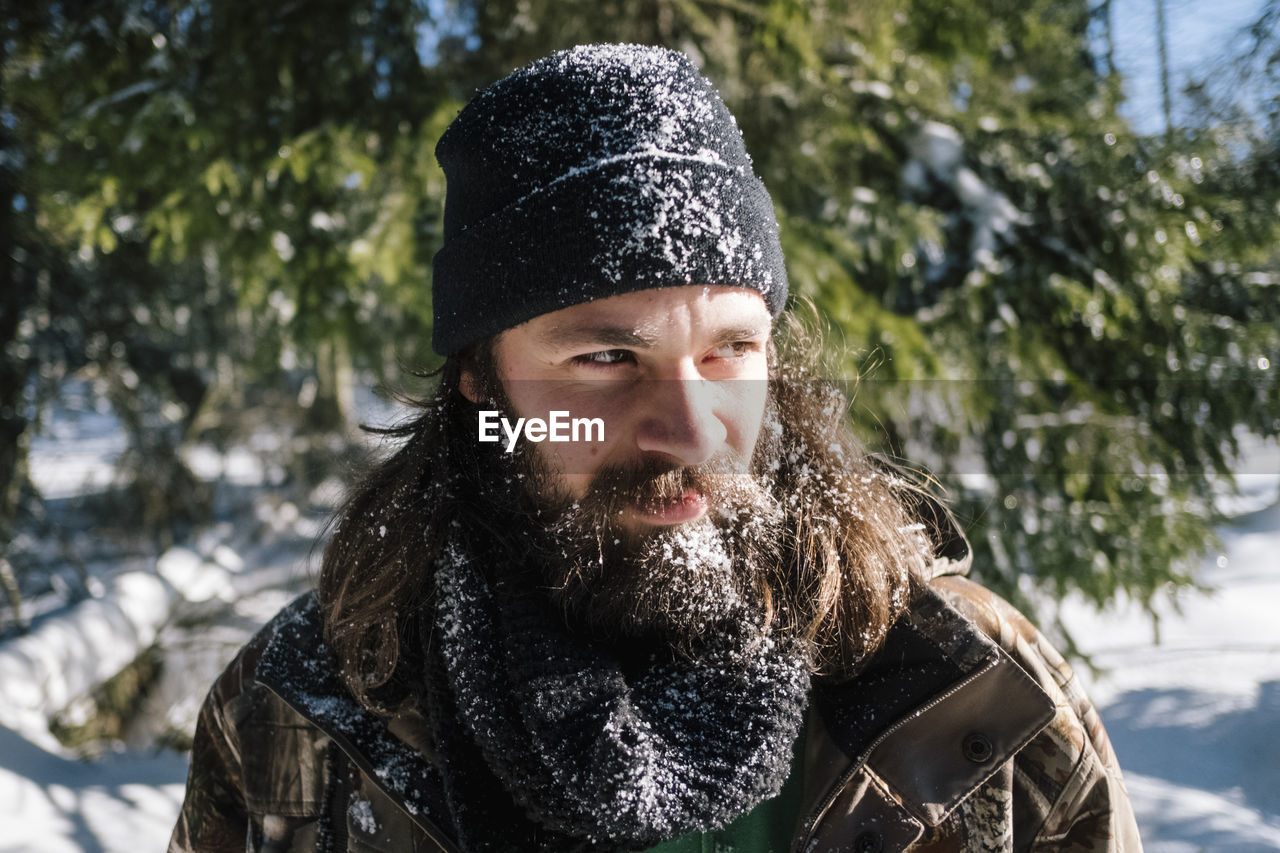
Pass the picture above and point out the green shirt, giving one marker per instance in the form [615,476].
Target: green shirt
[768,828]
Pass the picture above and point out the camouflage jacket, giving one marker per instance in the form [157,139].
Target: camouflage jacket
[966,732]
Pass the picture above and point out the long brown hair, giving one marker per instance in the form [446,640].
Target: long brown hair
[853,552]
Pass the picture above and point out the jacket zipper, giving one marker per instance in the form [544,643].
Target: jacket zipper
[811,822]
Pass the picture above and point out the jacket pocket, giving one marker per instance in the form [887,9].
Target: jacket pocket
[284,770]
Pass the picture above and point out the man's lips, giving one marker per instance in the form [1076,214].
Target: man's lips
[692,504]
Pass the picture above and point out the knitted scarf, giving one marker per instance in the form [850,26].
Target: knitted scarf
[550,742]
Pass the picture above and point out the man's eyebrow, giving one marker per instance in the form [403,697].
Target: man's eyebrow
[626,336]
[614,336]
[739,333]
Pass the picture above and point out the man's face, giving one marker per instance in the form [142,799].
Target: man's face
[662,528]
[678,376]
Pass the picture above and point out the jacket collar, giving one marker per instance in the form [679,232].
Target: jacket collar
[300,668]
[912,716]
[932,715]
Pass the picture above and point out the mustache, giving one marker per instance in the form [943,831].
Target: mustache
[656,481]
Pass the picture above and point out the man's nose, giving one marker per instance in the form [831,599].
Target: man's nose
[681,422]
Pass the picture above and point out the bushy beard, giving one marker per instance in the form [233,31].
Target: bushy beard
[661,584]
[670,583]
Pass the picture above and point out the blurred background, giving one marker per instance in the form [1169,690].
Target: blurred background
[1044,235]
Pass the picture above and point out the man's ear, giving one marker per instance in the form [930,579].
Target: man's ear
[469,384]
[475,369]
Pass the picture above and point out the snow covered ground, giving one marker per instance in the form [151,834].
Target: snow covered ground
[1193,719]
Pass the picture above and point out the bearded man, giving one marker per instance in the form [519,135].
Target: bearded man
[716,625]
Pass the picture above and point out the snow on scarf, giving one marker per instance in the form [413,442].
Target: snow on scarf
[548,745]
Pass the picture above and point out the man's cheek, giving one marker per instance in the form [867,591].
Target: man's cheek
[614,425]
[610,402]
[742,405]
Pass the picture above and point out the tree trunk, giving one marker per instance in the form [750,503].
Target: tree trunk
[1109,30]
[14,595]
[1162,48]
[16,294]
[335,388]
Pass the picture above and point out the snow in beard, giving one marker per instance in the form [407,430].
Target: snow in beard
[676,581]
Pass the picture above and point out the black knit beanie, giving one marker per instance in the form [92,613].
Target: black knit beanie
[592,172]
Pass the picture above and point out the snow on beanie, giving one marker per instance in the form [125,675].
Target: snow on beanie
[592,172]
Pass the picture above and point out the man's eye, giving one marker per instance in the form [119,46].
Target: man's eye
[735,349]
[605,358]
